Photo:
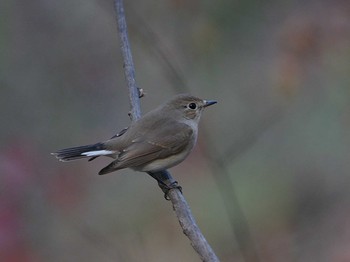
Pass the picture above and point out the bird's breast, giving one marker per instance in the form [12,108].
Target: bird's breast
[165,163]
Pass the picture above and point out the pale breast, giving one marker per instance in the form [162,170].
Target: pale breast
[173,160]
[161,164]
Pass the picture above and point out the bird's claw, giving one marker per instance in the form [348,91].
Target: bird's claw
[167,188]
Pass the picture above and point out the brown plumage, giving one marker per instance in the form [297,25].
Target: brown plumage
[161,139]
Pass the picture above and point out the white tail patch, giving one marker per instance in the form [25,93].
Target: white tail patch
[98,153]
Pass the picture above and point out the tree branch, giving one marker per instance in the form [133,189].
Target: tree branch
[180,206]
[129,69]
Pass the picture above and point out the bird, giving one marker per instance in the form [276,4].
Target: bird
[160,139]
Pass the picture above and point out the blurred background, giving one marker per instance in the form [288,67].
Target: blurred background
[269,178]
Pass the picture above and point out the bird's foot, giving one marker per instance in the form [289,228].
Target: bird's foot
[166,188]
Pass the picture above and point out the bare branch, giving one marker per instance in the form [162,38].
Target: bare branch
[190,228]
[129,69]
[180,205]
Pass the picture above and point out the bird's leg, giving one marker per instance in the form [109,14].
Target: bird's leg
[166,188]
[165,181]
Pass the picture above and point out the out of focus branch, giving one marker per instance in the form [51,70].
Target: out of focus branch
[250,138]
[180,205]
[240,227]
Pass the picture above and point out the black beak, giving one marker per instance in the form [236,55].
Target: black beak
[209,102]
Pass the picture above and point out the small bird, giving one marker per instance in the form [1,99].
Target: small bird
[160,139]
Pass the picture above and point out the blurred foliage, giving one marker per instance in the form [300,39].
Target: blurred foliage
[62,84]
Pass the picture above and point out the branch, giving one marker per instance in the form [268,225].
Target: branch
[180,206]
[190,228]
[129,69]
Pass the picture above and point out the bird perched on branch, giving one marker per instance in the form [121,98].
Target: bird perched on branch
[160,139]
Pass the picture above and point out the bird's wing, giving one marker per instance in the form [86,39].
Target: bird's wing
[167,142]
[116,135]
[162,143]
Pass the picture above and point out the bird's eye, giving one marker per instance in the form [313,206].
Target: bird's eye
[192,105]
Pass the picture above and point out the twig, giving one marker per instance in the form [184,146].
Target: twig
[129,69]
[179,203]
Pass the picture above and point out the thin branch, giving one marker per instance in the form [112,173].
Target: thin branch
[179,203]
[190,228]
[129,69]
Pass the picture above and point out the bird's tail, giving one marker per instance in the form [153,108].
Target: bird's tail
[74,153]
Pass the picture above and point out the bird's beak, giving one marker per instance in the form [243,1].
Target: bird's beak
[209,102]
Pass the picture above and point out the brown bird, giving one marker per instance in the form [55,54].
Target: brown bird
[160,139]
